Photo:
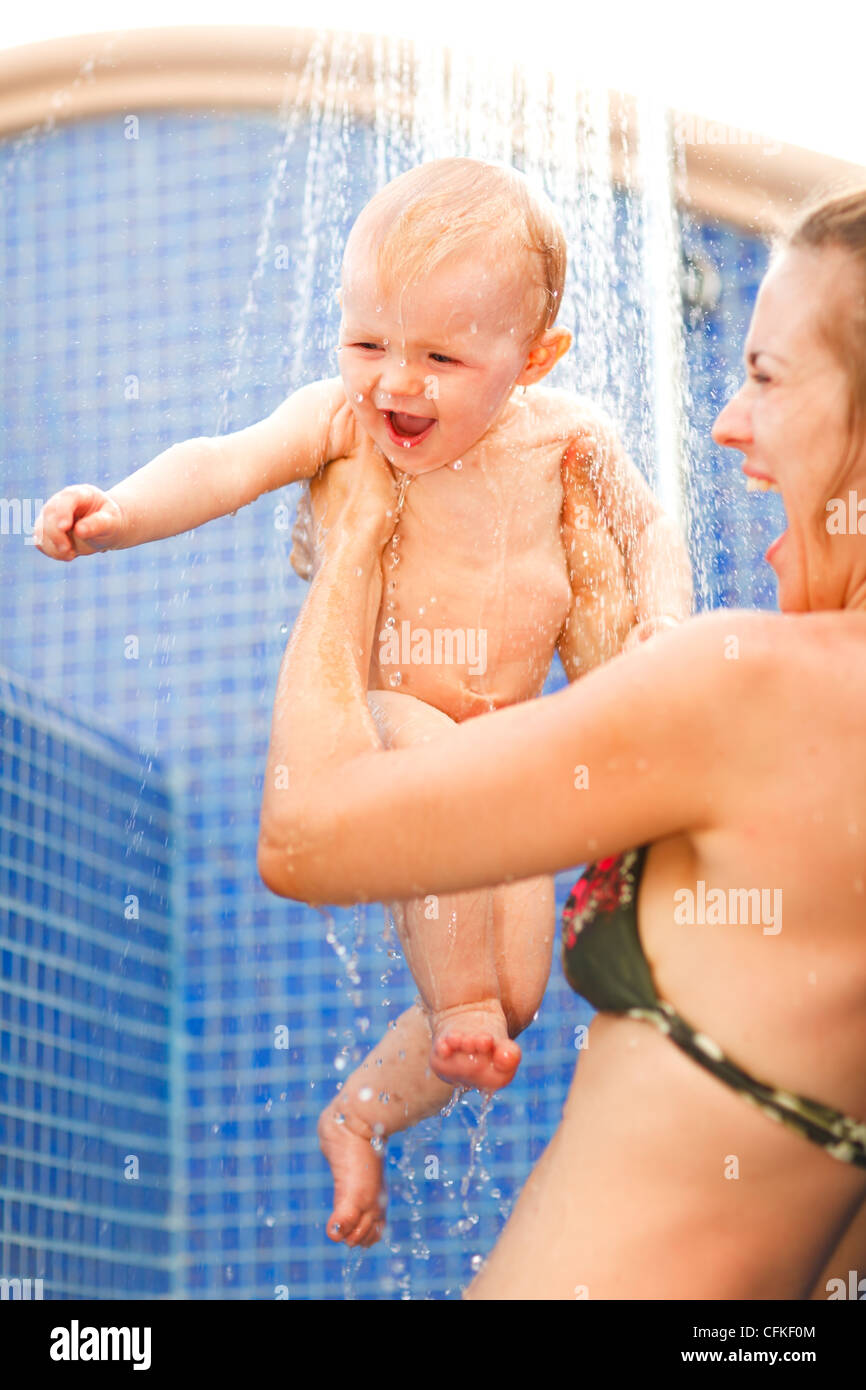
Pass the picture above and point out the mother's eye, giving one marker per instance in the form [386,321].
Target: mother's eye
[440,357]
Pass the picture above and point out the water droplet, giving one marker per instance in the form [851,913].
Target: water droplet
[359,396]
[284,627]
[379,1128]
[378,308]
[457,465]
[476,1262]
[473,327]
[358,571]
[377,1143]
[365,1093]
[391,621]
[270,1220]
[396,679]
[340,1063]
[340,1119]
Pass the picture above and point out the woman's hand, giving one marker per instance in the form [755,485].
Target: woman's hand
[361,495]
[649,627]
[304,559]
[357,495]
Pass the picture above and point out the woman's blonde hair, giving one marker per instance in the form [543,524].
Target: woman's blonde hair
[447,206]
[839,220]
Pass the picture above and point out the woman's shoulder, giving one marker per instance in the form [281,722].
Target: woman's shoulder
[795,661]
[728,634]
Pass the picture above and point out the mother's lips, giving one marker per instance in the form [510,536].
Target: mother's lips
[760,482]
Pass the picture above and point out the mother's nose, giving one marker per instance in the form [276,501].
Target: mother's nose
[732,427]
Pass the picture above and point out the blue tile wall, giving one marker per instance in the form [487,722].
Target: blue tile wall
[88,1138]
[136,313]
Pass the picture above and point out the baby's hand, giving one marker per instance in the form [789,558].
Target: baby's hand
[643,631]
[78,520]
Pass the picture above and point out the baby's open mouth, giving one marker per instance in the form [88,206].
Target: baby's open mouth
[408,429]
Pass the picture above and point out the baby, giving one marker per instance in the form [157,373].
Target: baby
[521,529]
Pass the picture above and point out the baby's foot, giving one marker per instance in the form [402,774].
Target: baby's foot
[358,1217]
[471,1047]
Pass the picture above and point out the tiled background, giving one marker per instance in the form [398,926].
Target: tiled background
[137,312]
[87,975]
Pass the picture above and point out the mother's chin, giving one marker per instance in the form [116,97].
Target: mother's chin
[786,559]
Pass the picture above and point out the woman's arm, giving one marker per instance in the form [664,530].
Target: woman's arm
[641,748]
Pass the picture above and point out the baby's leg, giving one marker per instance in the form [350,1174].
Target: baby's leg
[524,926]
[391,1090]
[449,940]
[394,1087]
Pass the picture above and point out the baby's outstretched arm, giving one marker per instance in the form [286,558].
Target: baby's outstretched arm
[193,482]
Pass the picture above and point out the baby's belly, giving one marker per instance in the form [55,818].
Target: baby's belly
[467,648]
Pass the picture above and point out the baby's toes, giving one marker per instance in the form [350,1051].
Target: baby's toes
[374,1234]
[506,1055]
[343,1223]
[362,1229]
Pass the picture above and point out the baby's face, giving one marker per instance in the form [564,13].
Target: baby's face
[446,351]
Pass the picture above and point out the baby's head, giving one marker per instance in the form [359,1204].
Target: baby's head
[451,283]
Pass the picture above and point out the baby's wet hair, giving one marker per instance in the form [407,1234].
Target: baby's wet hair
[445,207]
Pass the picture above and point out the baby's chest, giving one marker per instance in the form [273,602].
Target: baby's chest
[509,564]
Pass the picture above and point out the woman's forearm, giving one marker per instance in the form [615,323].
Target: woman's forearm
[321,718]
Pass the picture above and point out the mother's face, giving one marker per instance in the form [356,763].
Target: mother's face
[790,416]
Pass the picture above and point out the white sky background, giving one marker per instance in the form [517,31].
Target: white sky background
[791,73]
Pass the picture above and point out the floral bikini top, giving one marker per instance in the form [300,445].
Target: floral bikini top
[604,961]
